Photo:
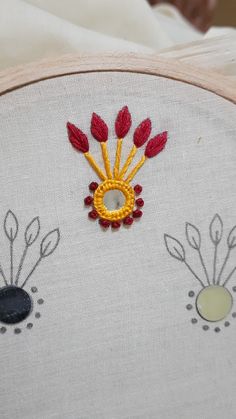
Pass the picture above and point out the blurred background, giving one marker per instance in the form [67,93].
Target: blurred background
[205,13]
[225,14]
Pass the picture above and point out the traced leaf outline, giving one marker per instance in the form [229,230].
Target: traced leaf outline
[193,236]
[11,225]
[231,240]
[32,231]
[216,229]
[231,244]
[49,243]
[174,247]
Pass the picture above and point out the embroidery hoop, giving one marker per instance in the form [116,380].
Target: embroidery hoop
[20,76]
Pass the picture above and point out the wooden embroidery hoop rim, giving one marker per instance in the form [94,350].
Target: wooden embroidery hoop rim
[18,77]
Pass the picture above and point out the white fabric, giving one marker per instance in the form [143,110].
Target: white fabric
[115,340]
[216,54]
[33,29]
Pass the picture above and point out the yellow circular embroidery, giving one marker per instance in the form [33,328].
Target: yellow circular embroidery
[112,184]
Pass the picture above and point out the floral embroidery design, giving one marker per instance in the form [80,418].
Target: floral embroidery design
[118,181]
[214,302]
[17,304]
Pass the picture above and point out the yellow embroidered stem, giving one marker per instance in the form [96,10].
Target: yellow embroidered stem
[94,165]
[106,159]
[128,161]
[136,169]
[118,156]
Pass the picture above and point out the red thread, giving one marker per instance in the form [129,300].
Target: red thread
[128,221]
[123,122]
[142,132]
[138,189]
[140,202]
[93,186]
[88,200]
[104,223]
[137,213]
[77,138]
[99,128]
[115,224]
[93,214]
[156,145]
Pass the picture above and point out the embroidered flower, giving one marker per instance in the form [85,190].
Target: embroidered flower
[118,180]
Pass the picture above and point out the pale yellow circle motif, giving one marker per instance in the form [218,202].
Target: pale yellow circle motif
[109,185]
[214,303]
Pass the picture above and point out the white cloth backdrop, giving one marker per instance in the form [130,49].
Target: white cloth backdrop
[33,29]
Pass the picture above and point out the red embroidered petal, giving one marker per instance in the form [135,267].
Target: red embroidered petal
[156,145]
[77,138]
[123,122]
[142,132]
[99,128]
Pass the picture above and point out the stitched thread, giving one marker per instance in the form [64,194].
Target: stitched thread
[118,157]
[142,132]
[136,169]
[123,122]
[99,128]
[122,127]
[128,162]
[95,166]
[156,145]
[106,160]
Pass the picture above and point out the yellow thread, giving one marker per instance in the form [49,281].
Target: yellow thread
[121,213]
[106,159]
[95,166]
[136,169]
[128,161]
[118,156]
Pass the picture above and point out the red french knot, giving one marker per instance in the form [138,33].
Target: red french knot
[137,213]
[93,186]
[138,189]
[99,128]
[104,223]
[93,214]
[128,221]
[142,133]
[88,200]
[156,145]
[77,138]
[140,202]
[115,225]
[123,122]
